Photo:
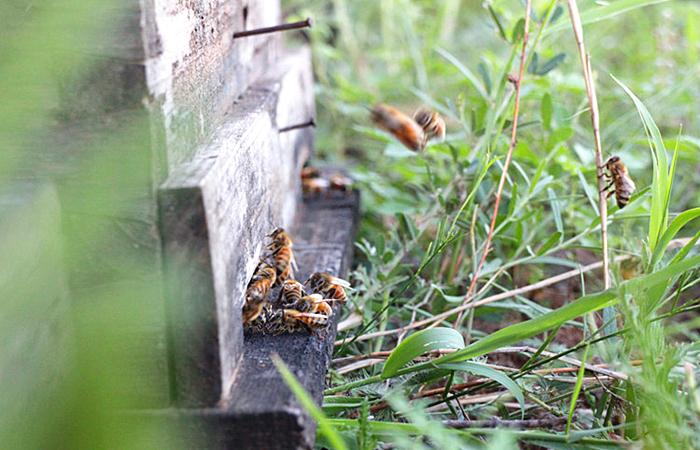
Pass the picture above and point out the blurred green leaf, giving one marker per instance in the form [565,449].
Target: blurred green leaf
[325,427]
[603,12]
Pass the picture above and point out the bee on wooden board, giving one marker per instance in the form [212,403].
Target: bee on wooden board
[328,286]
[279,238]
[291,294]
[287,320]
[263,279]
[252,311]
[340,182]
[283,261]
[310,172]
[622,185]
[312,320]
[319,305]
[315,185]
[415,132]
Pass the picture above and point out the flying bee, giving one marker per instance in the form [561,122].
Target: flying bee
[620,180]
[400,125]
[315,185]
[432,123]
[329,286]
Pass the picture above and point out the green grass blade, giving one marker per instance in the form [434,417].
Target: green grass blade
[521,331]
[468,74]
[418,344]
[605,12]
[686,248]
[674,227]
[663,275]
[661,184]
[577,390]
[324,426]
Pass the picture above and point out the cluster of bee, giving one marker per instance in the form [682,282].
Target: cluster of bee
[312,182]
[425,125]
[414,132]
[297,306]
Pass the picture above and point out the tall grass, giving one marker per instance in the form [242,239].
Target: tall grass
[425,224]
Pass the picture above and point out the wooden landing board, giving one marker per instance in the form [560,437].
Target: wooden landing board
[259,411]
[214,213]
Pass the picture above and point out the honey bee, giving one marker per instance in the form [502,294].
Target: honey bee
[314,185]
[312,320]
[328,286]
[257,289]
[340,182]
[314,303]
[260,284]
[414,132]
[321,306]
[251,312]
[279,238]
[291,294]
[620,180]
[400,125]
[310,172]
[283,261]
[432,123]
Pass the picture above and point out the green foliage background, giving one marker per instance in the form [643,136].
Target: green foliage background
[424,221]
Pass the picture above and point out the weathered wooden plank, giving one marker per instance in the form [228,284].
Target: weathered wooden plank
[215,212]
[195,69]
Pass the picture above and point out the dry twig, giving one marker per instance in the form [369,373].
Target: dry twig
[595,121]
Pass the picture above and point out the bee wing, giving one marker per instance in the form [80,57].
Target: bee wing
[628,184]
[340,282]
[294,314]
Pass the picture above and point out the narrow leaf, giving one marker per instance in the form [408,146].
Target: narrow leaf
[420,343]
[551,64]
[468,74]
[600,13]
[577,390]
[675,226]
[308,404]
[520,331]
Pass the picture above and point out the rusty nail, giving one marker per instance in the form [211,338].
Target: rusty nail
[309,123]
[284,27]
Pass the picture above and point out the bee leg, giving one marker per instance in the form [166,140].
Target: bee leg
[610,194]
[608,186]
